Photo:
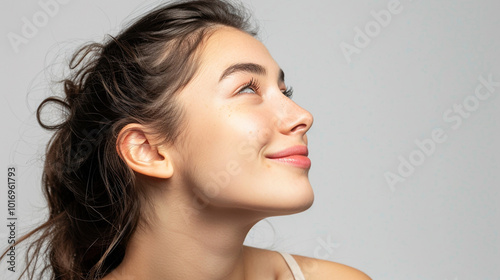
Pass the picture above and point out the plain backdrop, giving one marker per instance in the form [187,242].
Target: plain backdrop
[381,78]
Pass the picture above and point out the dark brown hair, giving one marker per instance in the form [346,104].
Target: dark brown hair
[93,198]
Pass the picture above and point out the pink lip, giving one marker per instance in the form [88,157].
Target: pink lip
[296,155]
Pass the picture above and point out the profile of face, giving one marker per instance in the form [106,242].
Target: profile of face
[237,117]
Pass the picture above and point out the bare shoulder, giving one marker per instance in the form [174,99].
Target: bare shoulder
[264,264]
[313,269]
[321,269]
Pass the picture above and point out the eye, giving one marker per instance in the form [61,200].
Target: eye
[251,87]
[288,92]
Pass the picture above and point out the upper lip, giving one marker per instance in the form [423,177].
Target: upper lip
[294,150]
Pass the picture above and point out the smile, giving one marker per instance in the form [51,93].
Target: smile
[296,156]
[295,160]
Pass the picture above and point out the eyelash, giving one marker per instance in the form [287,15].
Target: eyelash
[288,92]
[255,86]
[252,84]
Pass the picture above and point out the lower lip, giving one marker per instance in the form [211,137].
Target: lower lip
[295,160]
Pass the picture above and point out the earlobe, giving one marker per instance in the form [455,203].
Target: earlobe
[138,150]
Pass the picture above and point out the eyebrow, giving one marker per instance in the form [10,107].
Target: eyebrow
[249,67]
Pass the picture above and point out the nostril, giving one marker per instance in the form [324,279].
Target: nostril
[299,127]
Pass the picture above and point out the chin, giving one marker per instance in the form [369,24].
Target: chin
[294,198]
[293,205]
[304,205]
[302,199]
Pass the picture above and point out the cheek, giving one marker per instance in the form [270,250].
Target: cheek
[251,135]
[257,125]
[225,150]
[240,137]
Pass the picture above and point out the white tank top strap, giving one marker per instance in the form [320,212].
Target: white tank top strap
[294,266]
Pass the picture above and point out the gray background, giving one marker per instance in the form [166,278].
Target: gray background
[442,222]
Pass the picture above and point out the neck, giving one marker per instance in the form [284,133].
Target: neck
[189,240]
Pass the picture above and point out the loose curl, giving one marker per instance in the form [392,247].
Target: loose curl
[94,200]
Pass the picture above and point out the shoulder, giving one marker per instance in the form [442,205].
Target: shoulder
[321,269]
[313,269]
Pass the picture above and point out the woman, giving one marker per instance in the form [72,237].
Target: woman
[180,136]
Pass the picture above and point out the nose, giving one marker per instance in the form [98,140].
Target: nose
[294,119]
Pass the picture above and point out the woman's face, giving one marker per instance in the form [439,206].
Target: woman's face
[238,116]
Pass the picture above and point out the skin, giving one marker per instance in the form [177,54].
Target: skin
[213,185]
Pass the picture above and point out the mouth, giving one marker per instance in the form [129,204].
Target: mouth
[295,156]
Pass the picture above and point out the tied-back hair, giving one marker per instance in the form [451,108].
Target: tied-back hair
[94,200]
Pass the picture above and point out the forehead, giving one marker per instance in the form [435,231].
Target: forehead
[227,46]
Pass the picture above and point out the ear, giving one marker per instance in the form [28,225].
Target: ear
[140,152]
